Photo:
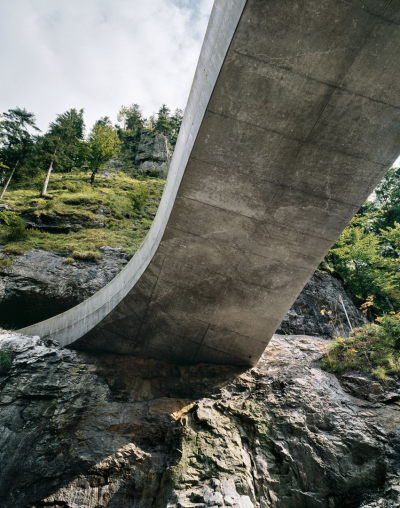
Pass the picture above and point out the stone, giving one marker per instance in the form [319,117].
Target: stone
[153,154]
[81,431]
[38,284]
[318,310]
[53,222]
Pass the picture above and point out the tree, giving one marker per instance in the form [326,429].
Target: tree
[163,123]
[167,124]
[388,198]
[104,120]
[103,143]
[176,122]
[132,127]
[16,139]
[63,143]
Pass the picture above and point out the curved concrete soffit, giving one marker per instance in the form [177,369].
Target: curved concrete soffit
[74,323]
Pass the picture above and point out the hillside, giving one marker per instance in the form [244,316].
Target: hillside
[77,218]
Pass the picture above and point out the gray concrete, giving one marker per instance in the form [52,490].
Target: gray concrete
[293,117]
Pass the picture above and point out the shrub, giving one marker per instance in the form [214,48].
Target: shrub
[372,348]
[121,207]
[49,204]
[139,199]
[86,255]
[5,263]
[16,226]
[76,186]
[69,260]
[15,250]
[6,360]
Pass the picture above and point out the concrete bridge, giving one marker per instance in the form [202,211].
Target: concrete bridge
[293,118]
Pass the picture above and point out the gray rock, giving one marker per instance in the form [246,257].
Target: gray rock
[89,431]
[318,310]
[38,284]
[153,154]
[52,222]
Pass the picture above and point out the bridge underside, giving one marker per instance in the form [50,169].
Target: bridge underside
[303,121]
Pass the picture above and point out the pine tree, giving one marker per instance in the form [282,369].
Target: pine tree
[16,140]
[63,144]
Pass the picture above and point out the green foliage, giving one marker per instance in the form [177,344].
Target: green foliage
[388,199]
[367,254]
[16,141]
[6,359]
[132,127]
[113,197]
[372,348]
[5,263]
[85,255]
[139,199]
[25,155]
[15,226]
[168,124]
[102,145]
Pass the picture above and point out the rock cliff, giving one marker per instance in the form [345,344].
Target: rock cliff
[153,154]
[39,284]
[319,310]
[81,431]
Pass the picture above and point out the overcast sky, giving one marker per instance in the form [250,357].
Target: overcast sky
[98,54]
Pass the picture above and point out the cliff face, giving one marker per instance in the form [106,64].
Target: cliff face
[79,431]
[38,285]
[319,310]
[153,154]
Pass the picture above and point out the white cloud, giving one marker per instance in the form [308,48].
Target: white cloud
[98,54]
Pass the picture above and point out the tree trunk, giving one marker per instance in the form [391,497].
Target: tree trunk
[46,182]
[9,180]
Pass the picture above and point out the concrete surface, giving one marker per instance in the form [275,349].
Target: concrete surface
[293,118]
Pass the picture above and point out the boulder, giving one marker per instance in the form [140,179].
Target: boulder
[153,154]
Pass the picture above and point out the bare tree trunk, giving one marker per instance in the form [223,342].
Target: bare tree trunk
[46,182]
[9,180]
[49,171]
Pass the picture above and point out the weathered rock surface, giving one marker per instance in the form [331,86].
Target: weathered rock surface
[80,431]
[318,309]
[52,222]
[38,284]
[153,154]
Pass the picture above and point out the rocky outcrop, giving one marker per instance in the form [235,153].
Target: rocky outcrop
[319,311]
[153,154]
[80,431]
[39,284]
[53,222]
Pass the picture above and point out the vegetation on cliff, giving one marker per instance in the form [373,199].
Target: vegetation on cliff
[367,258]
[26,154]
[373,348]
[54,195]
[116,211]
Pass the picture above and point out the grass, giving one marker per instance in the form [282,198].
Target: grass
[125,205]
[372,349]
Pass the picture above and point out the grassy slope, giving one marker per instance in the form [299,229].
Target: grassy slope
[124,204]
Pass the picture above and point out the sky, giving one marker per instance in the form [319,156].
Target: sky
[98,54]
